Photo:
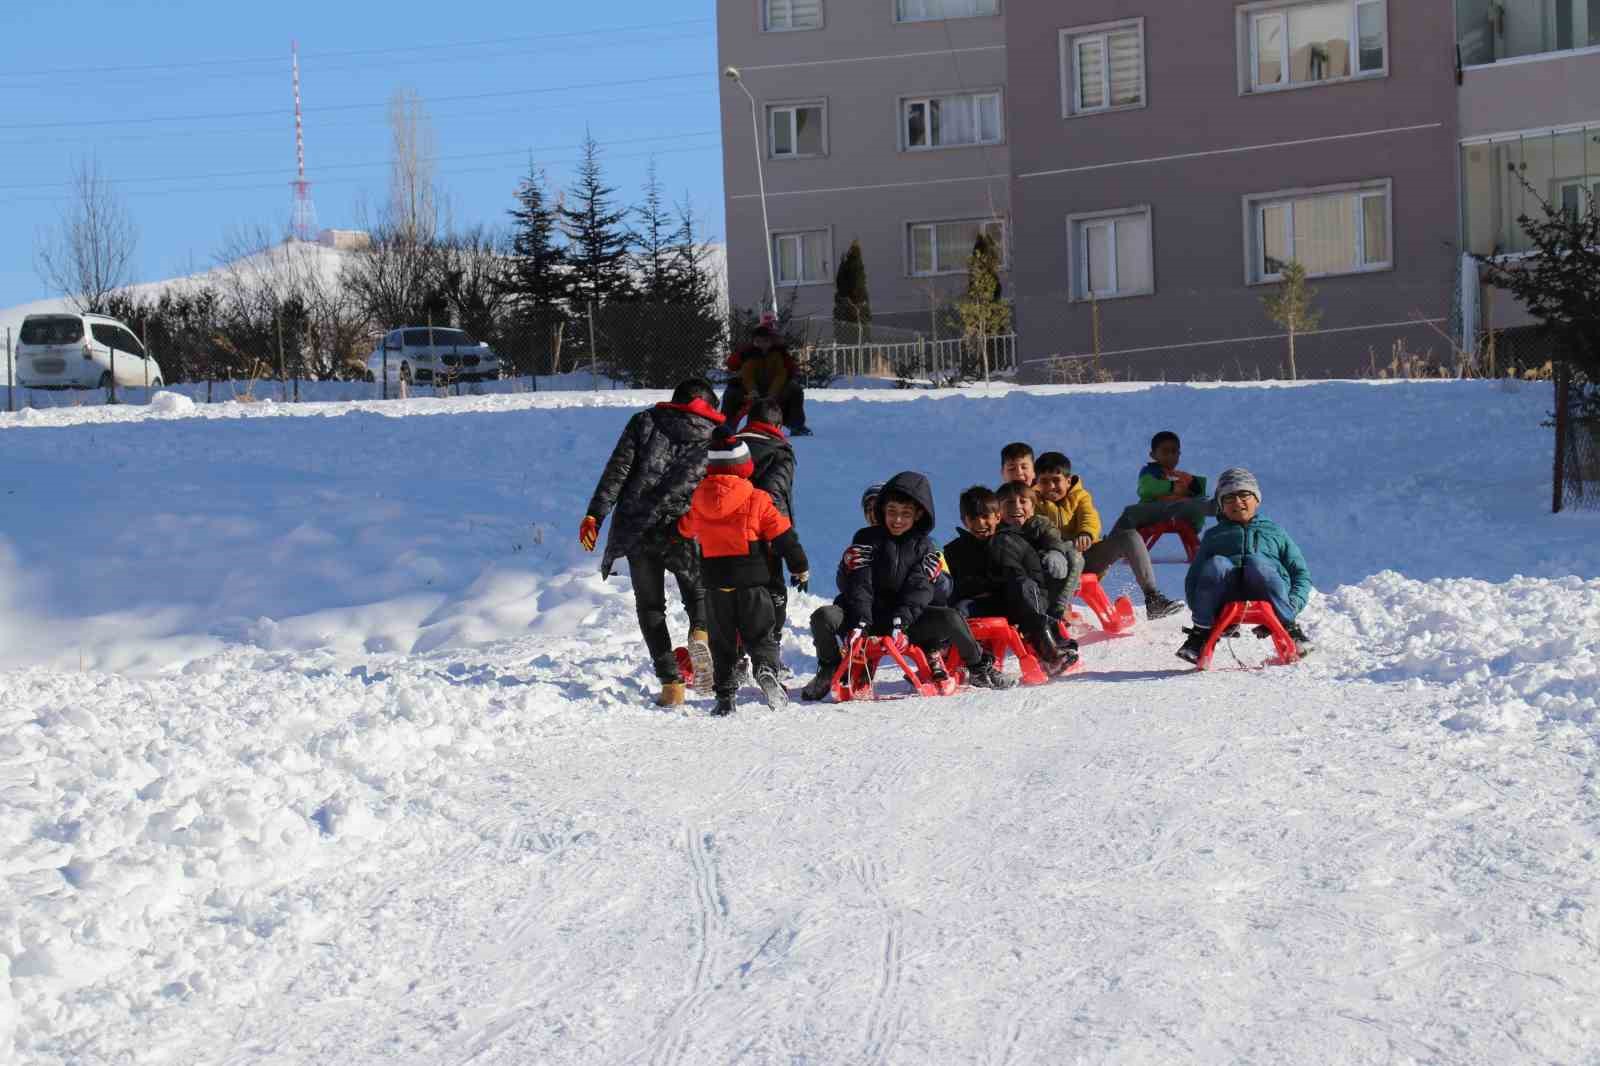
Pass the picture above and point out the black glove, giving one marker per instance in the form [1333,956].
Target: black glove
[801,581]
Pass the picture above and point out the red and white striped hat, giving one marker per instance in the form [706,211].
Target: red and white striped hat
[729,456]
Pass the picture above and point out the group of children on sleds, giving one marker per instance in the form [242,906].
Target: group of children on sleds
[1020,555]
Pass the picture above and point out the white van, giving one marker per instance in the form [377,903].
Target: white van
[73,351]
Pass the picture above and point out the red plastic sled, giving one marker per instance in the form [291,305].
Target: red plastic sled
[1250,613]
[1000,638]
[1185,532]
[1114,617]
[853,679]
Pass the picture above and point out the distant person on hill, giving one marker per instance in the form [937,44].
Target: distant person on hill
[1245,557]
[649,480]
[765,369]
[1165,491]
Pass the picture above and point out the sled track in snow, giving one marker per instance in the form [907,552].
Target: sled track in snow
[885,1015]
[710,927]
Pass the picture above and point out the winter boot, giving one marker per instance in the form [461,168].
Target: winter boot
[700,655]
[772,689]
[1158,606]
[985,673]
[741,673]
[1302,642]
[1194,644]
[724,706]
[818,687]
[672,694]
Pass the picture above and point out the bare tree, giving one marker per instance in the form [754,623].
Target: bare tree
[88,256]
[413,200]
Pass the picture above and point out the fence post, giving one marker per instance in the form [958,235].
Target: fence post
[385,343]
[594,358]
[11,375]
[1563,398]
[277,322]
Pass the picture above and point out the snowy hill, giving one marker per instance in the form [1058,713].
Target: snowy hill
[321,740]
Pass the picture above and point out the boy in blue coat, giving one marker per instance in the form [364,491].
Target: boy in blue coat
[1244,557]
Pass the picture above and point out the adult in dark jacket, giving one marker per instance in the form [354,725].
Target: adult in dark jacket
[892,591]
[648,483]
[774,475]
[765,369]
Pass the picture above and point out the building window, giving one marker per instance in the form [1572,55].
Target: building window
[1327,231]
[802,258]
[1311,42]
[791,15]
[1491,30]
[796,130]
[1102,68]
[949,121]
[925,10]
[1503,178]
[1111,254]
[945,247]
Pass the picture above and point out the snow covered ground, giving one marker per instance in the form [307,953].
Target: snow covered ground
[321,740]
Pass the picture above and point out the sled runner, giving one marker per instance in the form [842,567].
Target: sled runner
[853,680]
[1185,532]
[1250,613]
[1115,617]
[1000,638]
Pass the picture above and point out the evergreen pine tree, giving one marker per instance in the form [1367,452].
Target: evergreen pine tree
[1290,308]
[655,253]
[983,313]
[852,308]
[537,257]
[598,239]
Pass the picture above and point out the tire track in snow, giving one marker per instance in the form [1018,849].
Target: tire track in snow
[711,929]
[885,1014]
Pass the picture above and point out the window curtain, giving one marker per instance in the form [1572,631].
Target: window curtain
[1127,68]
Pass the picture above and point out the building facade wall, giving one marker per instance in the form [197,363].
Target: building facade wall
[866,187]
[1193,154]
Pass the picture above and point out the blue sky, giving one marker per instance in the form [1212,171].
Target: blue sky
[188,105]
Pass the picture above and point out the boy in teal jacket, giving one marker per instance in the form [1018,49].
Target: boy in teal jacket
[1244,557]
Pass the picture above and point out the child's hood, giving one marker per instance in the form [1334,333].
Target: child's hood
[916,486]
[720,495]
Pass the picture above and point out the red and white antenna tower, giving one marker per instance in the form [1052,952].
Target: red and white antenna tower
[303,224]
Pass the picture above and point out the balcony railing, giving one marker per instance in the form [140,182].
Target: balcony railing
[1491,31]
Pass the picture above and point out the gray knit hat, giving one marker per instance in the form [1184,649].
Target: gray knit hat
[1237,479]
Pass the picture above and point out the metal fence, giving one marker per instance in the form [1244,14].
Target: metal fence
[942,362]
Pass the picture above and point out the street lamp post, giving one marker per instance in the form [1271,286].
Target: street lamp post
[732,74]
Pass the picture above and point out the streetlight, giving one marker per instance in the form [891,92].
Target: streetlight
[732,74]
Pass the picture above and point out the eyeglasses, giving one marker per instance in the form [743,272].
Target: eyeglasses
[1235,497]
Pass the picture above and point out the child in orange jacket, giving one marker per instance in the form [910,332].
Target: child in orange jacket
[739,531]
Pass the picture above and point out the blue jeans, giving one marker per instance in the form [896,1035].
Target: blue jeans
[1220,582]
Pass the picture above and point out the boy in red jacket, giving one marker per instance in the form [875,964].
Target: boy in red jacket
[739,531]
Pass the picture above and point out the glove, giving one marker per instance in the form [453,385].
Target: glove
[896,633]
[1084,542]
[932,565]
[589,532]
[801,581]
[1056,565]
[850,638]
[857,556]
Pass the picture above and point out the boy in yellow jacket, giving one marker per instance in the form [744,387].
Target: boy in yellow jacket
[1065,501]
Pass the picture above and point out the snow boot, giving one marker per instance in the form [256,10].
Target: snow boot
[1302,643]
[772,689]
[724,706]
[1158,606]
[700,656]
[818,687]
[741,673]
[672,694]
[1195,644]
[985,673]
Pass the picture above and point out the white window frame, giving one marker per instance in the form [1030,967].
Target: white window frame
[778,236]
[764,20]
[1071,86]
[999,9]
[926,100]
[1357,192]
[933,224]
[1250,14]
[1588,186]
[791,106]
[1078,226]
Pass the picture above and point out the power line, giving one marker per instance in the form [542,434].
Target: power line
[431,46]
[374,163]
[279,112]
[278,185]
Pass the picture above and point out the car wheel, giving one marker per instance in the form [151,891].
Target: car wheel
[156,383]
[405,373]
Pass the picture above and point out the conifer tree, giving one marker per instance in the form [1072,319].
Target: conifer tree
[598,238]
[537,256]
[852,307]
[983,313]
[1290,308]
